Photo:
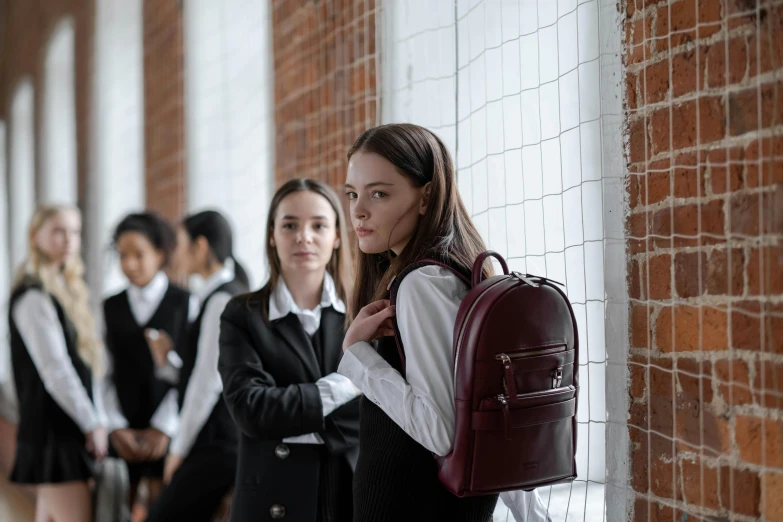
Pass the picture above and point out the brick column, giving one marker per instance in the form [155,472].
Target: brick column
[164,111]
[704,122]
[325,84]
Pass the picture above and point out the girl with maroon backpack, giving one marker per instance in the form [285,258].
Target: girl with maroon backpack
[405,207]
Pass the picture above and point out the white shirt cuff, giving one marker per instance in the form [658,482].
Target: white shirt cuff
[166,417]
[170,372]
[310,438]
[357,360]
[335,390]
[90,423]
[115,420]
[115,423]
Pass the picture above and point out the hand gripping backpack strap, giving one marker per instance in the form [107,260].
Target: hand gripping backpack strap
[394,287]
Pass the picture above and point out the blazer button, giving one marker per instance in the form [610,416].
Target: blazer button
[277,511]
[282,451]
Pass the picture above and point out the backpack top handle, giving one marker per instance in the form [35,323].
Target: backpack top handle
[478,266]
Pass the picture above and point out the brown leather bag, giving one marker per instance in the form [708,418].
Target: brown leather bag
[516,369]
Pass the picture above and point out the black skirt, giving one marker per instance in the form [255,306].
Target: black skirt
[54,463]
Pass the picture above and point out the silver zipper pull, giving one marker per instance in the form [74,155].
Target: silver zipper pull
[506,416]
[557,377]
[509,385]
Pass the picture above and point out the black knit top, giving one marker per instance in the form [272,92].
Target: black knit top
[396,478]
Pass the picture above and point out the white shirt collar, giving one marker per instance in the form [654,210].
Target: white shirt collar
[152,292]
[281,302]
[224,275]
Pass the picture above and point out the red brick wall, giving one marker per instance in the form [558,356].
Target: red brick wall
[164,109]
[705,151]
[325,84]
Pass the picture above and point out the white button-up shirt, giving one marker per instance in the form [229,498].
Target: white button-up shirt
[41,331]
[205,386]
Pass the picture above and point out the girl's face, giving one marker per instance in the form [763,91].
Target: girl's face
[305,233]
[60,236]
[184,253]
[139,259]
[191,256]
[385,205]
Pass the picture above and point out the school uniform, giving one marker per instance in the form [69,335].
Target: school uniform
[407,419]
[207,436]
[54,385]
[299,419]
[135,396]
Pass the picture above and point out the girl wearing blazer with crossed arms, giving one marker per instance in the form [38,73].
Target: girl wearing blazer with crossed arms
[279,351]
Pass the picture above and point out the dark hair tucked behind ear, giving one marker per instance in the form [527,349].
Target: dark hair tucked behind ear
[445,231]
[212,226]
[152,226]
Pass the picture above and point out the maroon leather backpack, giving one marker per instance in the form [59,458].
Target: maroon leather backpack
[516,367]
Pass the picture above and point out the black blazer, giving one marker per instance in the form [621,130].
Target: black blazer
[269,371]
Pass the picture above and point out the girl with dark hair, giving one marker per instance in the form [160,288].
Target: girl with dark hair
[141,404]
[201,464]
[405,207]
[279,351]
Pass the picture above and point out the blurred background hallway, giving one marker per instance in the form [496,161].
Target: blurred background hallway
[630,149]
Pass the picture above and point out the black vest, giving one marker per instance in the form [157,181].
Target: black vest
[396,478]
[139,391]
[220,429]
[41,420]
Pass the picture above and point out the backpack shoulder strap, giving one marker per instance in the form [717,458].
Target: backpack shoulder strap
[394,287]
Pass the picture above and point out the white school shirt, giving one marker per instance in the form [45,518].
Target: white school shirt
[41,331]
[334,389]
[144,302]
[204,387]
[422,403]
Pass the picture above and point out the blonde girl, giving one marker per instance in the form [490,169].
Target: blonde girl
[56,354]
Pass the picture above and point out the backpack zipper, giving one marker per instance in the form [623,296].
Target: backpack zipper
[509,386]
[502,398]
[532,353]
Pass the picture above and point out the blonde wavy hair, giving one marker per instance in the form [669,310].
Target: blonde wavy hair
[70,290]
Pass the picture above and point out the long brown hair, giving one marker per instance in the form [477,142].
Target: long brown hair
[340,265]
[70,290]
[445,231]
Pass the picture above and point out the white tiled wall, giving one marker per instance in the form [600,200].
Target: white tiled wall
[22,169]
[116,174]
[58,137]
[7,391]
[230,120]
